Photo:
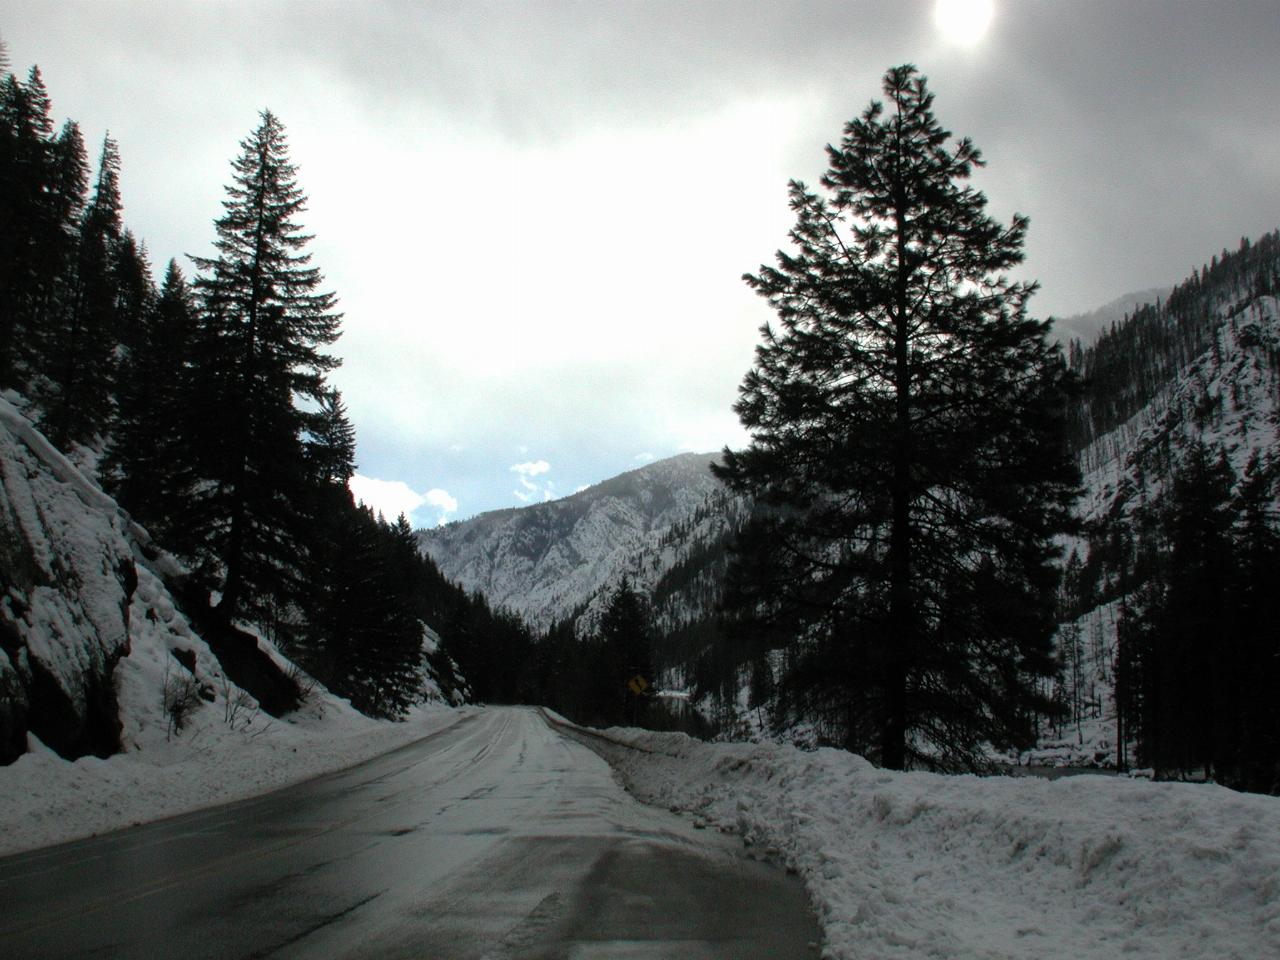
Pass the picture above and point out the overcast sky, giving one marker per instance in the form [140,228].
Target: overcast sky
[536,215]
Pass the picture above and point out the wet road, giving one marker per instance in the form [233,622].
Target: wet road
[496,838]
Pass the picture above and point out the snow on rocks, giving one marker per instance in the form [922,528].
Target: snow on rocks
[93,652]
[66,575]
[912,865]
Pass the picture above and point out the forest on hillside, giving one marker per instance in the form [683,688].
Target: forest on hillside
[202,404]
[1188,549]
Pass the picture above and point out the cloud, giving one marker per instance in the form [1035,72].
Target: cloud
[394,497]
[442,501]
[573,99]
[532,469]
[530,490]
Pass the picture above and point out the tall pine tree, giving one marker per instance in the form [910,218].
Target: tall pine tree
[149,460]
[1256,674]
[1179,672]
[1197,646]
[331,441]
[67,198]
[80,347]
[907,452]
[627,654]
[42,185]
[263,324]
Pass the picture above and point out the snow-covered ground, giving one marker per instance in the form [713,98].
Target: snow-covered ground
[45,799]
[898,865]
[916,865]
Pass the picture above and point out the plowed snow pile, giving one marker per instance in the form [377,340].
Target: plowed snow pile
[912,865]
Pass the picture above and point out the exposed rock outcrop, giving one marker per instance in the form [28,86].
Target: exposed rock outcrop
[67,578]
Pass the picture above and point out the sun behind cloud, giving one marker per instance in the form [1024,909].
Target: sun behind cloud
[963,22]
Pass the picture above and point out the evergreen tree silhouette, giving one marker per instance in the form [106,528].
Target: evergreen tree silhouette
[627,655]
[908,447]
[1256,676]
[330,445]
[149,461]
[263,324]
[1196,642]
[80,348]
[42,194]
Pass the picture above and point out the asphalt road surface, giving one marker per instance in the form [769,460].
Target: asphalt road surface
[498,838]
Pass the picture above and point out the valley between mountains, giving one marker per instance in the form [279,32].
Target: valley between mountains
[968,652]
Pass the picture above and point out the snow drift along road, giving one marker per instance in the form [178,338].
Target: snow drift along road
[916,865]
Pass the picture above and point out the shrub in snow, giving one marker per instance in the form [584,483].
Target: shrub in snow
[182,695]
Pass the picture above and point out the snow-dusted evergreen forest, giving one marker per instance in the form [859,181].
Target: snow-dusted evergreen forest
[954,546]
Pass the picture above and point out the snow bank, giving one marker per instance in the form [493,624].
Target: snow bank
[45,799]
[915,865]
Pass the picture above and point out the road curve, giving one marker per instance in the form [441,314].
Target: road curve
[496,839]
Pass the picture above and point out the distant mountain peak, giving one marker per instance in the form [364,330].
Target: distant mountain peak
[547,561]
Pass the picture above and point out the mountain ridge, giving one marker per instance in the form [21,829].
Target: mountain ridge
[547,560]
[1088,325]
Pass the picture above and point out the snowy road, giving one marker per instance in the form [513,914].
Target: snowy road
[496,838]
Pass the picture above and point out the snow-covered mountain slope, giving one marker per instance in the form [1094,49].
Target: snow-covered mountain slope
[682,568]
[96,654]
[99,665]
[550,561]
[1225,396]
[75,603]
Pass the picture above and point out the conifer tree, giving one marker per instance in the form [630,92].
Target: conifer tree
[1256,677]
[79,352]
[907,420]
[362,638]
[1179,650]
[67,198]
[148,464]
[135,291]
[32,238]
[263,324]
[1197,645]
[627,655]
[360,635]
[331,441]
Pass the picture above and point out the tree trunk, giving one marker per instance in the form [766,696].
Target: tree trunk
[901,640]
